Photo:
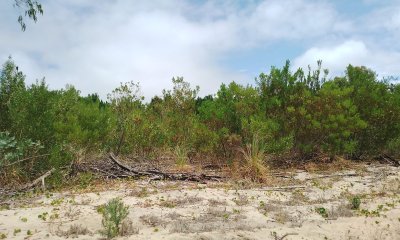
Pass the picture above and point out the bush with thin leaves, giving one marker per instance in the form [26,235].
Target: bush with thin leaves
[181,155]
[114,213]
[254,155]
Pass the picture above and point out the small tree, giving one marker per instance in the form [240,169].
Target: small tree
[114,214]
[124,100]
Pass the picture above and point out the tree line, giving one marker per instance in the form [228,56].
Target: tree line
[299,114]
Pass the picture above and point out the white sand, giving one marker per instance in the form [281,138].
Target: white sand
[196,211]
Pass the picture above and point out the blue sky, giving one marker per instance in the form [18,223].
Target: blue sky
[96,44]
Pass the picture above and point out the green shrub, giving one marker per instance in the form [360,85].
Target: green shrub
[322,211]
[12,149]
[114,213]
[355,203]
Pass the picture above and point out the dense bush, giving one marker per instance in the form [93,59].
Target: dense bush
[297,112]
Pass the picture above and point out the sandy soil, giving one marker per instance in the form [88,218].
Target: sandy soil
[318,208]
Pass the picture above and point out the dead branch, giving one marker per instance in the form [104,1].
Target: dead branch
[334,175]
[285,188]
[276,237]
[391,160]
[38,180]
[155,174]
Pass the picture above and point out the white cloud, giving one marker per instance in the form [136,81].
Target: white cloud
[337,57]
[334,58]
[94,45]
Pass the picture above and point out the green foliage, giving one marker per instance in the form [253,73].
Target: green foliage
[31,8]
[11,149]
[85,179]
[125,102]
[355,203]
[290,112]
[82,124]
[114,213]
[12,82]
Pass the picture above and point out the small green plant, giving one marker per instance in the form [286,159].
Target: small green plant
[367,213]
[114,213]
[100,208]
[43,216]
[24,219]
[355,203]
[3,236]
[54,216]
[29,232]
[142,193]
[56,202]
[16,231]
[322,211]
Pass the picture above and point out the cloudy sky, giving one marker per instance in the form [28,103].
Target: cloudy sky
[95,44]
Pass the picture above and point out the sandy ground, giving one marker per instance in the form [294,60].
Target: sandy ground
[318,209]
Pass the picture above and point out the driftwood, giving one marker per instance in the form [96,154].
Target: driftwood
[155,174]
[38,180]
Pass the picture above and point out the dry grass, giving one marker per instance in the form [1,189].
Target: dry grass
[173,215]
[282,216]
[140,193]
[342,210]
[241,200]
[338,164]
[74,231]
[266,208]
[214,219]
[153,220]
[298,198]
[216,202]
[254,166]
[127,228]
[72,212]
[187,200]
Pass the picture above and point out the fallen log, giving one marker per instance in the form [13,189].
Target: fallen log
[126,167]
[155,174]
